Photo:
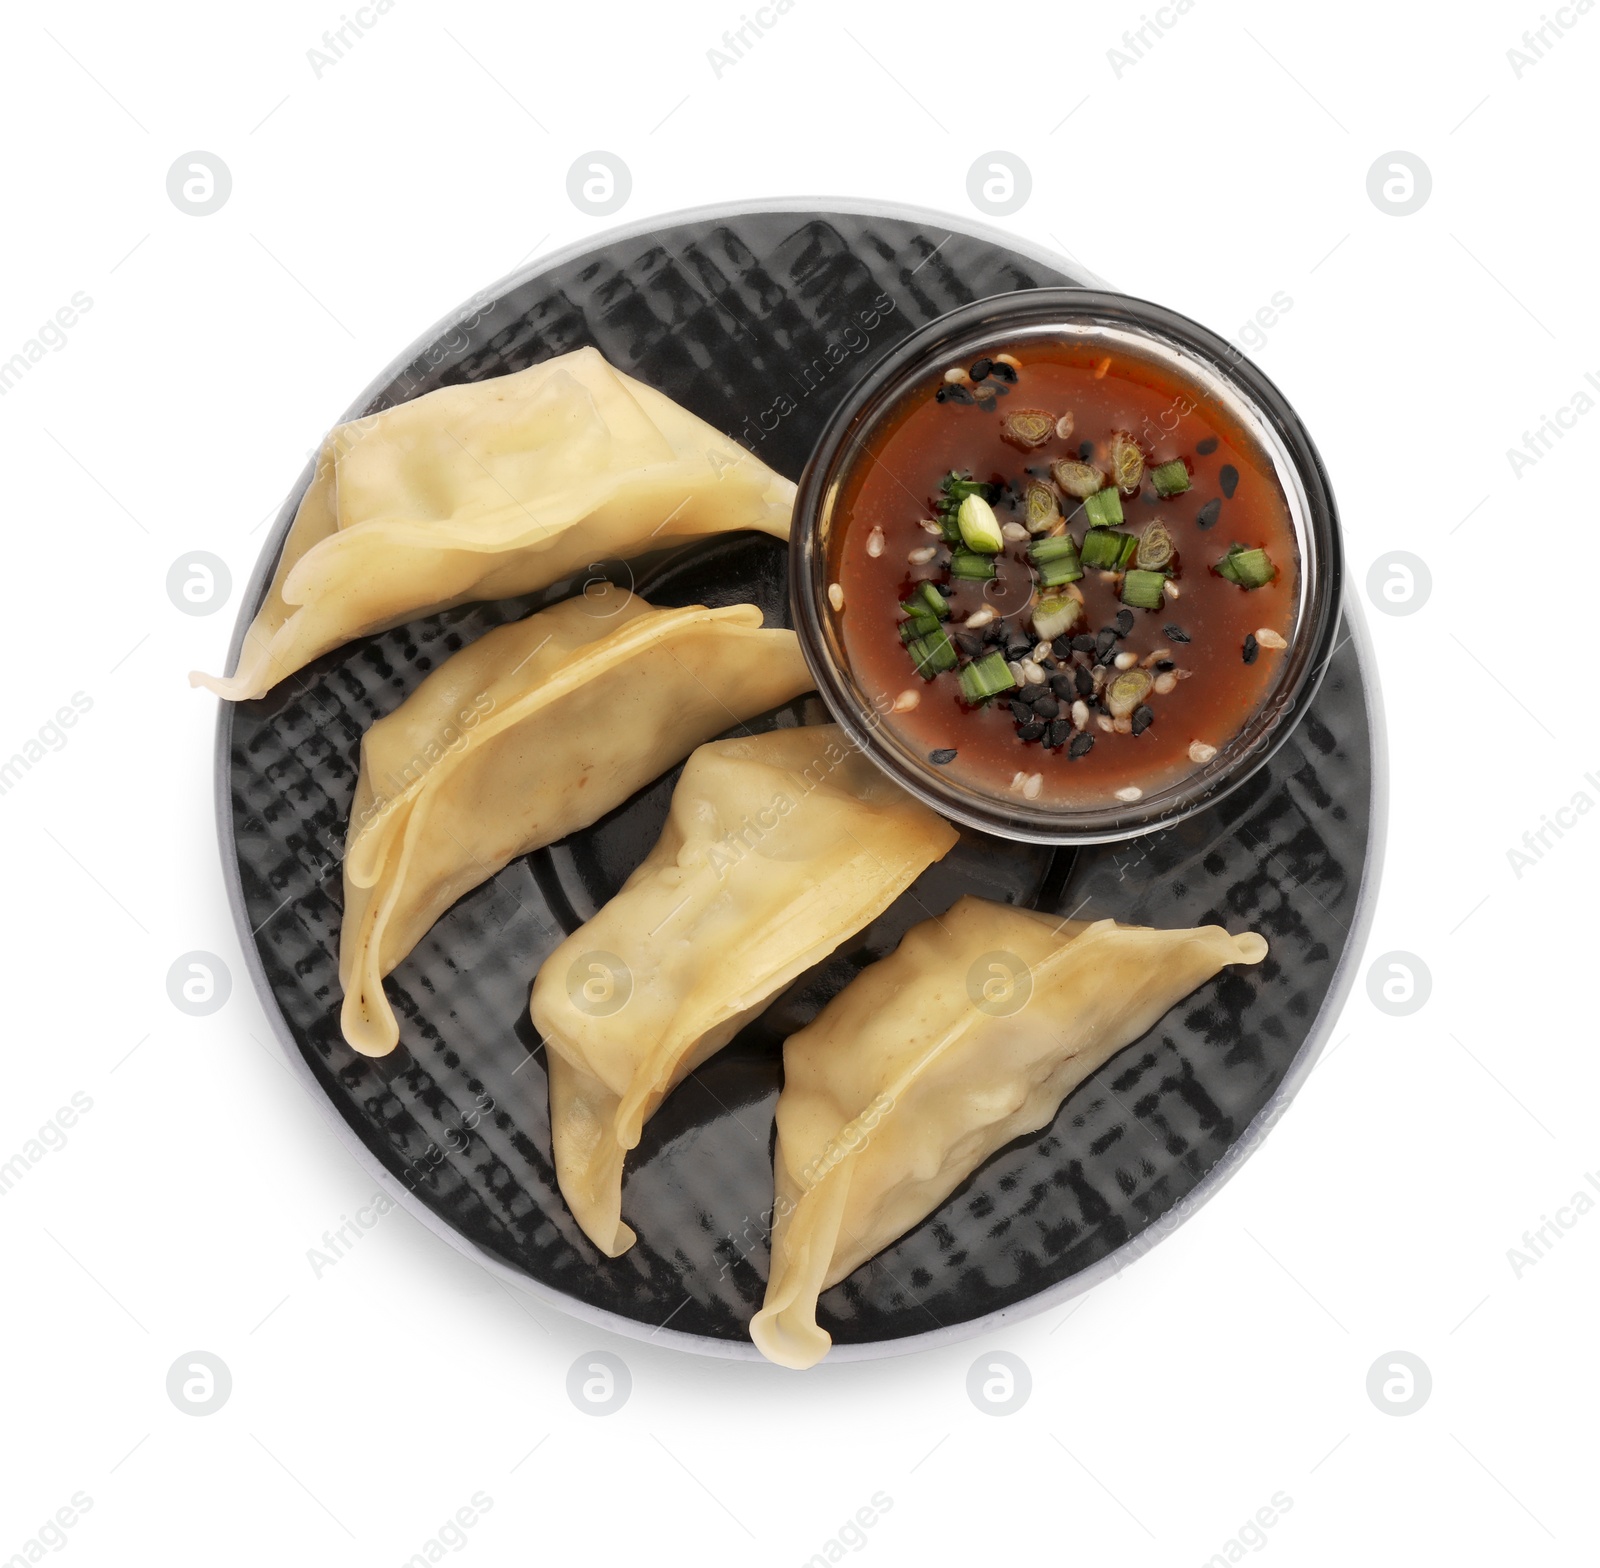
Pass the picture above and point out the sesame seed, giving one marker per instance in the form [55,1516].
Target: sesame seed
[931,527]
[1170,588]
[957,374]
[1013,531]
[1126,660]
[1200,753]
[1064,427]
[1033,675]
[1041,653]
[1080,715]
[1130,793]
[1008,359]
[1123,725]
[836,596]
[981,616]
[1270,639]
[1105,722]
[875,543]
[1032,785]
[1016,672]
[922,554]
[943,755]
[1165,683]
[906,701]
[1018,780]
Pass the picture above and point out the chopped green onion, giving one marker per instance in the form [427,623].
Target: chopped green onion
[985,678]
[1055,548]
[1247,568]
[1127,462]
[933,653]
[1155,548]
[1127,690]
[1077,479]
[980,528]
[1144,590]
[1056,574]
[969,566]
[1103,509]
[1028,428]
[1107,550]
[954,488]
[934,600]
[1170,478]
[1055,613]
[1040,509]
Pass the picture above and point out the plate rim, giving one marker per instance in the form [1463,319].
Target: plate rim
[744,1350]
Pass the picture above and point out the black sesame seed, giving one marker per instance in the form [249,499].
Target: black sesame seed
[1209,513]
[954,392]
[1228,478]
[1207,447]
[1062,685]
[1084,643]
[1057,734]
[1046,707]
[1163,665]
[970,643]
[1020,711]
[1085,450]
[1251,647]
[1004,372]
[1062,647]
[943,394]
[1083,681]
[1082,745]
[1175,632]
[1031,731]
[996,631]
[1108,657]
[1106,639]
[943,755]
[980,368]
[1032,692]
[1143,718]
[1018,647]
[1124,622]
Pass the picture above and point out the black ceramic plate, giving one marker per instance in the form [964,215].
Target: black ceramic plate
[759,320]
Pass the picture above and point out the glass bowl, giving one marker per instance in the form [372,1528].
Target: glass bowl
[1210,369]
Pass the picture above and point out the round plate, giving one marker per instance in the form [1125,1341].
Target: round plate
[759,320]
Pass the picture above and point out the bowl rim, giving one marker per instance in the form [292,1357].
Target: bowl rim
[1317,529]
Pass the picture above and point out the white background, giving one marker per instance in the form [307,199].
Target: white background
[1228,164]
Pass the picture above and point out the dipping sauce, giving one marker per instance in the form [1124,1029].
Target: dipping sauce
[1063,574]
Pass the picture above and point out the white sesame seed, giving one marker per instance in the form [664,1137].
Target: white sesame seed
[1013,531]
[836,596]
[1007,359]
[1064,427]
[1110,577]
[1170,588]
[1104,721]
[1033,672]
[1130,793]
[931,527]
[1201,753]
[923,554]
[1126,660]
[875,543]
[1164,682]
[1016,673]
[957,373]
[1018,780]
[1032,785]
[1270,639]
[1122,725]
[980,617]
[906,701]
[1155,656]
[1041,653]
[1080,715]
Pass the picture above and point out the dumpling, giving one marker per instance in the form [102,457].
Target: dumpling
[777,849]
[971,1033]
[488,490]
[533,731]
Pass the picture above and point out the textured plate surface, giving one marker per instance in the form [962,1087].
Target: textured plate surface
[758,321]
